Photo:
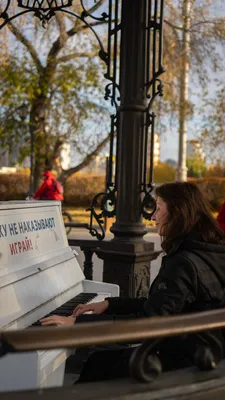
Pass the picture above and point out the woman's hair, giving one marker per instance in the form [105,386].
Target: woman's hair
[187,210]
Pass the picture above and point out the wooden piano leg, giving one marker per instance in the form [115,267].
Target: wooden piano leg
[88,247]
[88,264]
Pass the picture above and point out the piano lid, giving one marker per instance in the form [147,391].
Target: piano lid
[30,233]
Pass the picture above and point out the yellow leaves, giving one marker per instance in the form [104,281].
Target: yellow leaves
[164,173]
[66,86]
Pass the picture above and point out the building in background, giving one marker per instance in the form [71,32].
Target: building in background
[68,158]
[9,161]
[171,162]
[196,160]
[97,166]
[156,153]
[65,156]
[157,146]
[194,150]
[4,158]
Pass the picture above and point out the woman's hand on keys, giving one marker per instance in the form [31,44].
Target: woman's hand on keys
[58,320]
[94,308]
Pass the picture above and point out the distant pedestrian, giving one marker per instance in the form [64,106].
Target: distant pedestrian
[50,189]
[221,217]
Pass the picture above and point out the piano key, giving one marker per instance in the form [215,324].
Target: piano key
[67,308]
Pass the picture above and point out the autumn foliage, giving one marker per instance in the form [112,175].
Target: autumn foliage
[213,188]
[80,188]
[78,191]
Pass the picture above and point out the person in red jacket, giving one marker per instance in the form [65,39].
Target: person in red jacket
[50,189]
[221,217]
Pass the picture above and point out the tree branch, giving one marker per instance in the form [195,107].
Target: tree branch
[180,28]
[207,22]
[77,55]
[59,43]
[86,161]
[94,8]
[83,27]
[62,26]
[30,48]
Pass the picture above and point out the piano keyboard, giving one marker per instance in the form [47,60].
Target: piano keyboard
[67,308]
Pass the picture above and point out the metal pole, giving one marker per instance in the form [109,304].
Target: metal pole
[184,72]
[131,121]
[106,182]
[127,256]
[32,163]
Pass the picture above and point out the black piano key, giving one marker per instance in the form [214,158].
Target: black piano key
[37,323]
[66,309]
[60,313]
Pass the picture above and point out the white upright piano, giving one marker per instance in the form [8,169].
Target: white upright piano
[39,275]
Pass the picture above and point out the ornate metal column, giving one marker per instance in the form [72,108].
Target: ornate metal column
[127,257]
[134,83]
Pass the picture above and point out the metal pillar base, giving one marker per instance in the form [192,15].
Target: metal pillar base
[128,265]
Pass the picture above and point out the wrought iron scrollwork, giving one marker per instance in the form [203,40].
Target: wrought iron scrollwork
[42,9]
[144,364]
[103,205]
[112,92]
[88,13]
[154,88]
[5,14]
[45,10]
[96,216]
[148,205]
[108,203]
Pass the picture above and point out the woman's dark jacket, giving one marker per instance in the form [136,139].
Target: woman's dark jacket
[191,279]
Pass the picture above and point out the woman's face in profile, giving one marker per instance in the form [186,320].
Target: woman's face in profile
[160,215]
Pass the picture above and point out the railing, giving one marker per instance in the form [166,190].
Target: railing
[76,225]
[109,332]
[88,246]
[70,224]
[135,331]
